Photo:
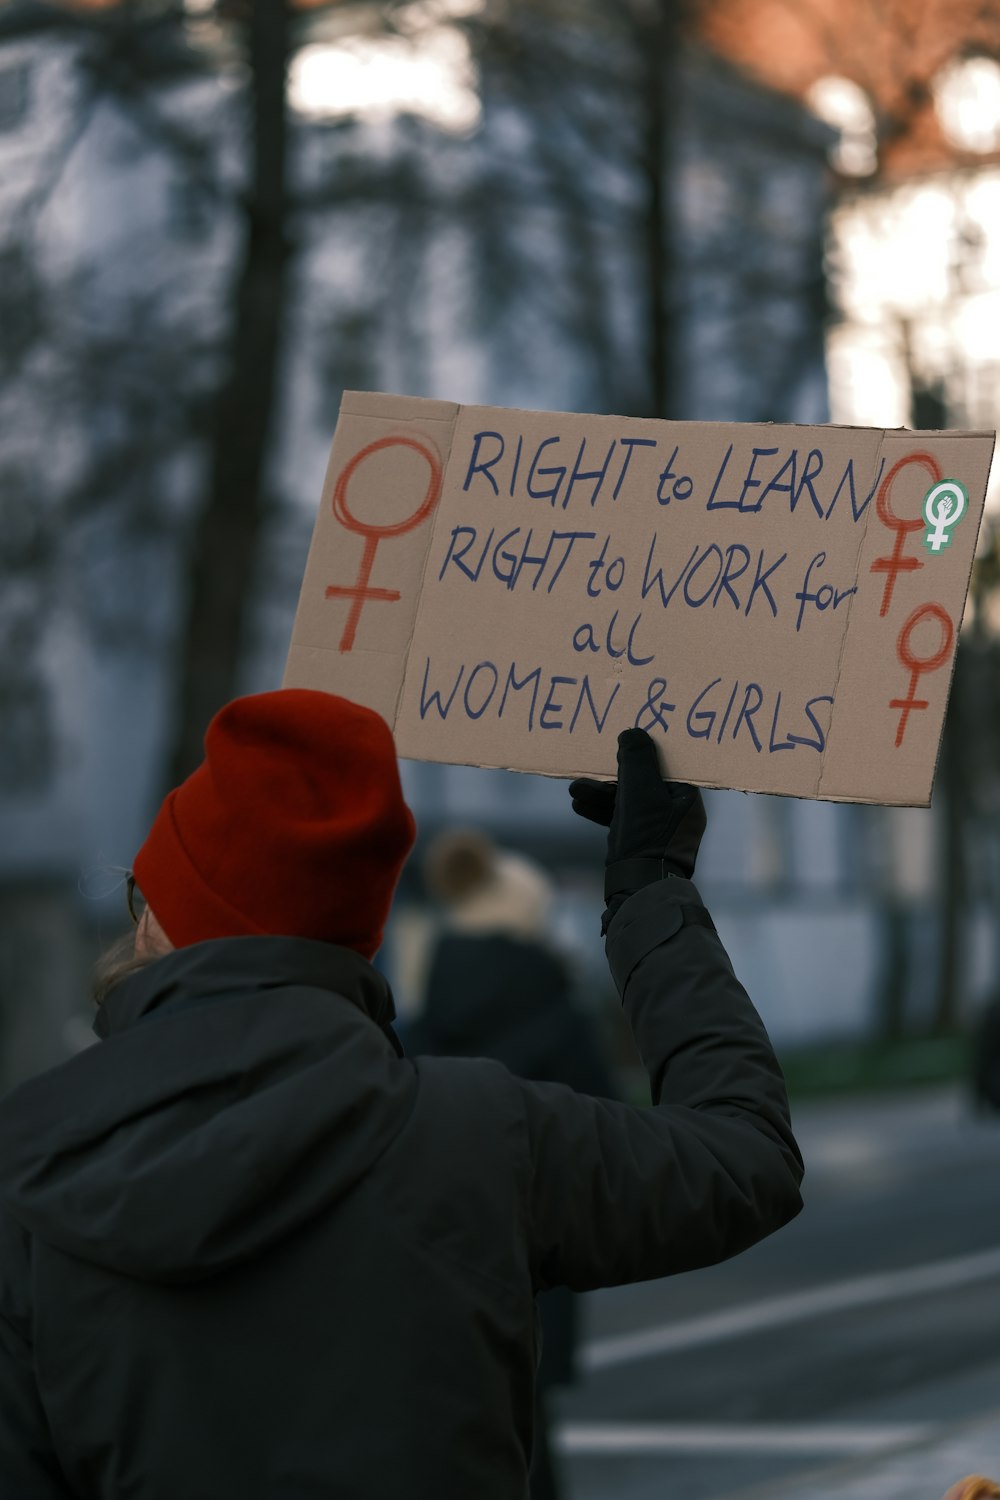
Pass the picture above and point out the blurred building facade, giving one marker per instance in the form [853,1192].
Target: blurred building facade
[806,895]
[913,259]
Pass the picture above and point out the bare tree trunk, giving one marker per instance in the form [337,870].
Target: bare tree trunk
[224,546]
[658,37]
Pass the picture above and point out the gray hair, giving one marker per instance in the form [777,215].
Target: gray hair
[115,964]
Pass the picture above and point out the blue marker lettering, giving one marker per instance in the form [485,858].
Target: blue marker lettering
[822,597]
[746,714]
[819,743]
[729,573]
[657,578]
[506,577]
[791,462]
[725,716]
[697,715]
[714,504]
[534,677]
[517,463]
[570,538]
[750,483]
[771,745]
[628,443]
[559,470]
[695,602]
[812,470]
[579,474]
[760,582]
[551,706]
[599,719]
[848,479]
[434,696]
[483,666]
[455,554]
[475,467]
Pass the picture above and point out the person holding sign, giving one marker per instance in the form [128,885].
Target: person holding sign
[248,1248]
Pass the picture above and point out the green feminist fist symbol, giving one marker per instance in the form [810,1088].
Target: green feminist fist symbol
[944,506]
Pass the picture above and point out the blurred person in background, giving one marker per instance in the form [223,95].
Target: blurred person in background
[247,1248]
[975,1487]
[497,987]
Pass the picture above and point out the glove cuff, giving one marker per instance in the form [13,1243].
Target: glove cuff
[626,875]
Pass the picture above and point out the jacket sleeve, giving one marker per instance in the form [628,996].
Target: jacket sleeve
[619,1193]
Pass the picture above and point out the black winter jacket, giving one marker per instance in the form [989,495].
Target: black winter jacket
[246,1250]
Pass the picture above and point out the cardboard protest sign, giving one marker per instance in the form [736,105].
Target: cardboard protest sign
[778,605]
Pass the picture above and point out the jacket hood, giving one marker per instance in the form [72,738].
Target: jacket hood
[243,1085]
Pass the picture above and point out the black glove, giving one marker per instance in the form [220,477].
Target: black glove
[654,826]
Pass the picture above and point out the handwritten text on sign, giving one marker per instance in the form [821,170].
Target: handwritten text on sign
[777,605]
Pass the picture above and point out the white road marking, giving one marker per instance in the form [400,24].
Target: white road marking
[674,1437]
[773,1312]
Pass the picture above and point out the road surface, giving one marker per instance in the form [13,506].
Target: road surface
[870,1325]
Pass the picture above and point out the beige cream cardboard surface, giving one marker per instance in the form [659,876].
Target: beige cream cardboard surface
[778,605]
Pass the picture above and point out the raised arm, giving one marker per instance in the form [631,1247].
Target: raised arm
[621,1193]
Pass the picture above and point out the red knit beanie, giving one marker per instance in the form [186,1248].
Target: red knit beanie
[294,824]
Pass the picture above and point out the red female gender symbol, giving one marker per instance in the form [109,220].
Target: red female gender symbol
[360,591]
[917,665]
[896,562]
